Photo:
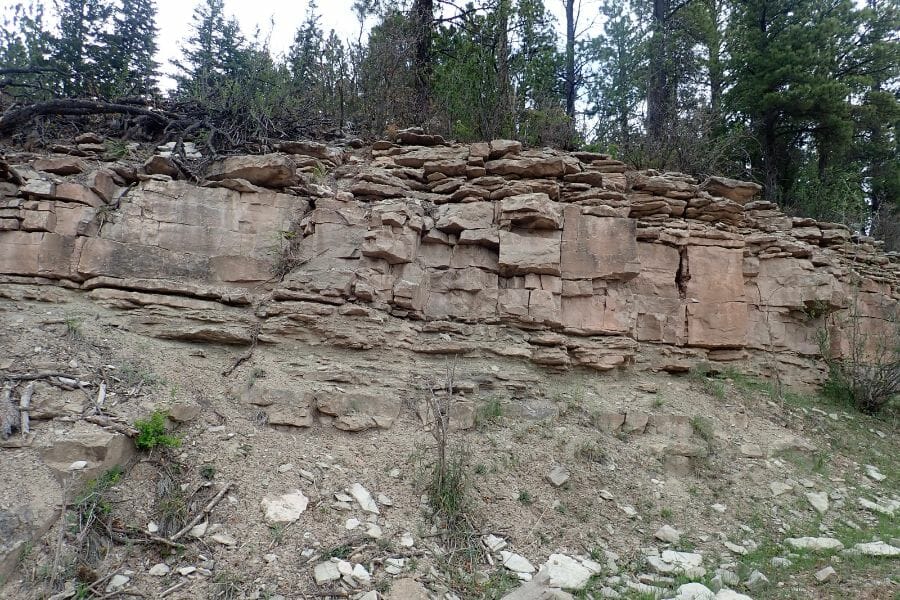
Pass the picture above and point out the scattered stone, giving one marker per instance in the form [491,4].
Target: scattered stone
[185,571]
[360,573]
[285,468]
[117,583]
[826,574]
[887,508]
[670,562]
[363,498]
[407,589]
[668,534]
[407,541]
[326,572]
[558,476]
[877,549]
[778,488]
[394,566]
[756,581]
[284,509]
[152,527]
[373,531]
[561,571]
[516,562]
[493,542]
[727,594]
[874,474]
[224,539]
[694,591]
[352,523]
[160,570]
[78,465]
[781,562]
[741,550]
[628,510]
[814,544]
[719,508]
[384,500]
[819,501]
[199,530]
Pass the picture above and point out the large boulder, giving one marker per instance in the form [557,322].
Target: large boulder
[267,170]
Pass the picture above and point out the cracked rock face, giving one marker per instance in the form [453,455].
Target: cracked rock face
[483,234]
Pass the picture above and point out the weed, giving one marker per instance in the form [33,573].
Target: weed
[525,498]
[480,469]
[490,412]
[135,376]
[666,513]
[591,452]
[341,552]
[703,428]
[658,402]
[73,327]
[152,433]
[226,586]
[207,472]
[708,379]
[115,149]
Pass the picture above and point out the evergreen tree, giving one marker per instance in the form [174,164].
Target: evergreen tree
[132,46]
[213,52]
[26,46]
[82,47]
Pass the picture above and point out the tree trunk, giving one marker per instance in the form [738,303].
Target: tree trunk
[769,157]
[504,122]
[570,60]
[659,85]
[423,25]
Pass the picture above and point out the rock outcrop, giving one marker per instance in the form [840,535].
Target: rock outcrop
[562,259]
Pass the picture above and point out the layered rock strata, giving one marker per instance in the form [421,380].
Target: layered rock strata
[565,259]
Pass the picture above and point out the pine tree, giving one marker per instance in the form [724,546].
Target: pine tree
[132,44]
[81,49]
[26,45]
[212,53]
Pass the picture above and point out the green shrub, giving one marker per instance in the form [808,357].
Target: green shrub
[152,432]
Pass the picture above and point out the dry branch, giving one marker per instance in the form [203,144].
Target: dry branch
[203,513]
[24,407]
[17,117]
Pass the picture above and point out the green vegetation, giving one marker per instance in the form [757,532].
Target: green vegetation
[152,433]
[489,412]
[525,498]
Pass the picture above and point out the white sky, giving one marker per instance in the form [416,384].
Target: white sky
[280,17]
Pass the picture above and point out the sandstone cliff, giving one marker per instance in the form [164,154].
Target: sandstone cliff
[562,259]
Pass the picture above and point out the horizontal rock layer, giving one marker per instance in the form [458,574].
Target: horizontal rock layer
[485,235]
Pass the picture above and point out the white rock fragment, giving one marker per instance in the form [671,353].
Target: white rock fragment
[493,543]
[360,573]
[326,572]
[881,549]
[285,467]
[394,566]
[694,591]
[117,583]
[672,562]
[407,541]
[516,562]
[819,501]
[352,524]
[741,550]
[373,531]
[384,500]
[886,508]
[363,498]
[628,510]
[152,527]
[719,508]
[224,539]
[756,581]
[826,574]
[778,488]
[185,571]
[874,474]
[727,594]
[814,544]
[558,476]
[668,534]
[199,530]
[284,509]
[561,571]
[160,570]
[80,465]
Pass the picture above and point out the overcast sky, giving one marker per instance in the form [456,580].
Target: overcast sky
[278,18]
